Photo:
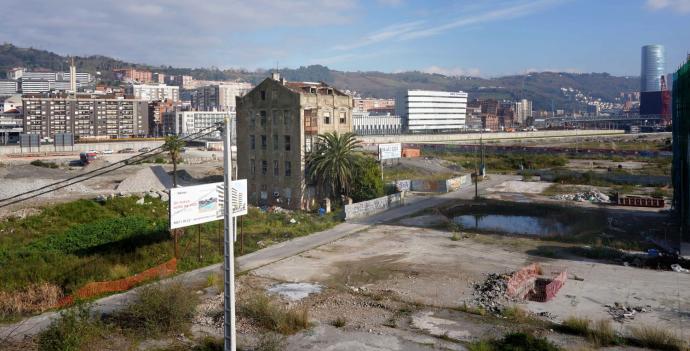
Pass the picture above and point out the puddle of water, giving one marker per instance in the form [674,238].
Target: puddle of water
[295,291]
[514,224]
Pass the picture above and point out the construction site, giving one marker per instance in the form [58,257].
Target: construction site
[538,245]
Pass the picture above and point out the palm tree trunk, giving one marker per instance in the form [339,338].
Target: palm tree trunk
[174,173]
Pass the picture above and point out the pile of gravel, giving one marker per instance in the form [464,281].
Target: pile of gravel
[149,179]
[11,187]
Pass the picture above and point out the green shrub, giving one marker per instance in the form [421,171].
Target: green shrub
[524,342]
[159,310]
[70,331]
[339,322]
[367,183]
[284,320]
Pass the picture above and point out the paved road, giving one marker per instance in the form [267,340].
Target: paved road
[274,253]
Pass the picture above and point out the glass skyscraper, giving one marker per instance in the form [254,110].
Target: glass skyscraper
[653,67]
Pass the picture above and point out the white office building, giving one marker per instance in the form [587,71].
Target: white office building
[425,111]
[156,92]
[8,87]
[523,111]
[365,123]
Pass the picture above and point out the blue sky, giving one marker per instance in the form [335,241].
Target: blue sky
[480,37]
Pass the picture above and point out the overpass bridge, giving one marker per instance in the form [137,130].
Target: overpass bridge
[609,122]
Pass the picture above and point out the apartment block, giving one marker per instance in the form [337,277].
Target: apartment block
[85,115]
[379,105]
[279,123]
[191,122]
[133,75]
[218,97]
[155,92]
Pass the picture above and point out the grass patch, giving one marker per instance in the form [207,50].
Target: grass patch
[159,310]
[516,313]
[497,162]
[271,316]
[480,311]
[455,237]
[44,164]
[657,338]
[71,331]
[515,342]
[70,244]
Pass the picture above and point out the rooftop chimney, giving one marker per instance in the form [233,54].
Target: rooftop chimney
[275,76]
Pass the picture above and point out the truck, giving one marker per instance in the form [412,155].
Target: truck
[87,157]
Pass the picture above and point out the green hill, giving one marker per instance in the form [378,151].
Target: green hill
[543,88]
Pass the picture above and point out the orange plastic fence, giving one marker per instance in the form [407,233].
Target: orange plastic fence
[99,288]
[520,282]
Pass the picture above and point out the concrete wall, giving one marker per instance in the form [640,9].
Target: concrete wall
[47,149]
[420,138]
[367,208]
[433,186]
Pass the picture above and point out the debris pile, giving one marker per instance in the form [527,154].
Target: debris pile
[491,293]
[593,196]
[621,312]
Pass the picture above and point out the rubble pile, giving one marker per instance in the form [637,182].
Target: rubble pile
[621,312]
[593,196]
[491,293]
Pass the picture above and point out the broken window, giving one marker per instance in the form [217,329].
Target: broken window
[264,167]
[252,167]
[252,142]
[263,118]
[326,118]
[263,142]
[342,117]
[263,95]
[288,168]
[287,143]
[276,169]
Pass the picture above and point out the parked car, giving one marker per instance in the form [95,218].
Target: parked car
[128,150]
[145,149]
[107,152]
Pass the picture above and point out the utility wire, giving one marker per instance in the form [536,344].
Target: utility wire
[84,179]
[138,157]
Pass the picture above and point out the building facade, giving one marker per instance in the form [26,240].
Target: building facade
[366,123]
[681,144]
[191,122]
[280,122]
[8,87]
[523,112]
[85,115]
[133,75]
[369,104]
[155,92]
[425,111]
[218,97]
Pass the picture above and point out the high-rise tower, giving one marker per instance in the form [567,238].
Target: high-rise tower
[653,67]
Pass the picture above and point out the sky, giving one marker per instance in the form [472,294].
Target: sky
[485,38]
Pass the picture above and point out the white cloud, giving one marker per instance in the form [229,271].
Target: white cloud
[421,29]
[453,71]
[681,6]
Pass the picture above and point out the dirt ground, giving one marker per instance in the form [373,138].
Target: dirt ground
[20,176]
[423,266]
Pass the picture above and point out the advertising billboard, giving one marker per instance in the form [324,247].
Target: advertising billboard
[389,151]
[204,203]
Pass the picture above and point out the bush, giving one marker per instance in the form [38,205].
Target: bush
[575,325]
[367,183]
[279,319]
[657,338]
[159,310]
[40,163]
[524,342]
[71,331]
[600,333]
[339,322]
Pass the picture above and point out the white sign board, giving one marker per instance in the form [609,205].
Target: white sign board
[204,203]
[389,151]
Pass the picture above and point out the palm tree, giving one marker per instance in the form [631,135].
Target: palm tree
[331,164]
[173,145]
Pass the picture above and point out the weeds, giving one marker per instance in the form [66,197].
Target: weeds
[480,311]
[657,338]
[71,331]
[455,237]
[516,313]
[271,342]
[600,333]
[339,322]
[159,310]
[34,298]
[284,320]
[514,342]
[39,163]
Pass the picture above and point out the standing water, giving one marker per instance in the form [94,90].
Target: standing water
[514,224]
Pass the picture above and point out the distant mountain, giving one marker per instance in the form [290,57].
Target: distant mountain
[543,88]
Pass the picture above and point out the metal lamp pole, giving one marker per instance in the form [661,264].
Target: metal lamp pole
[229,260]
